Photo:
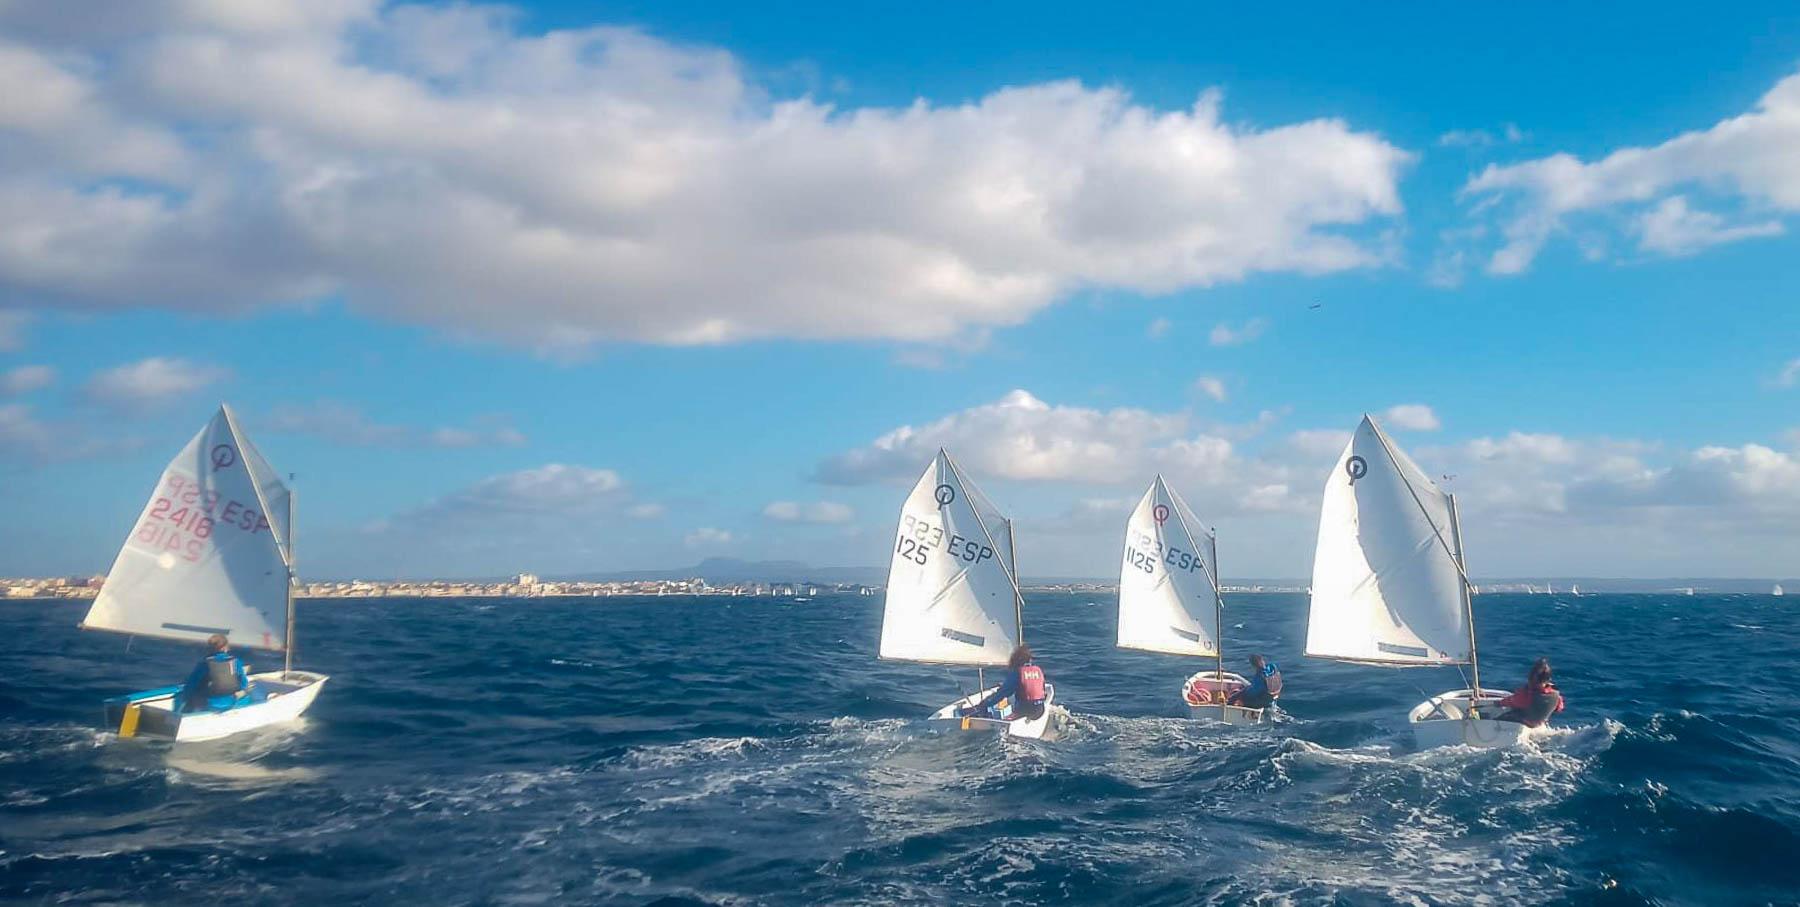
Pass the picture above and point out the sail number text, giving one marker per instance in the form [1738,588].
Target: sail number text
[1143,551]
[183,516]
[918,536]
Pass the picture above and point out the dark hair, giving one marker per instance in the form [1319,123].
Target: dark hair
[1258,660]
[217,643]
[1020,656]
[1540,673]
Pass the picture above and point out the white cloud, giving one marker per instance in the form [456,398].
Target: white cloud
[1412,417]
[25,379]
[434,166]
[150,382]
[1748,163]
[342,423]
[1159,328]
[1225,335]
[1211,387]
[814,512]
[707,537]
[1790,374]
[553,518]
[1674,229]
[1022,438]
[12,325]
[24,436]
[1479,138]
[558,490]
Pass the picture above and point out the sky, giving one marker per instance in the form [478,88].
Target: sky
[575,287]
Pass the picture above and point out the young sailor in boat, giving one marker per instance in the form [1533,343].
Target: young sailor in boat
[1024,685]
[1534,703]
[1264,688]
[219,681]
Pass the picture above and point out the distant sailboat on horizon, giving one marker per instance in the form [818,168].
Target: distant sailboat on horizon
[1777,591]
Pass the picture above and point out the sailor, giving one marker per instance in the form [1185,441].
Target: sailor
[1533,704]
[1264,688]
[1024,684]
[219,681]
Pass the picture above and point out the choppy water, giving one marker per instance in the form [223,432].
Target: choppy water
[714,751]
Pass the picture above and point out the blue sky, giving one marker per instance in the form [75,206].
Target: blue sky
[566,287]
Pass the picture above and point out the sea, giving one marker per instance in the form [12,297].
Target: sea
[714,750]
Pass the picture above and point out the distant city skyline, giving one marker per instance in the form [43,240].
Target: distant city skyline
[577,288]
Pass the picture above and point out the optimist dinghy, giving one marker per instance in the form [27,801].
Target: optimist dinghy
[1169,599]
[212,553]
[953,594]
[1390,587]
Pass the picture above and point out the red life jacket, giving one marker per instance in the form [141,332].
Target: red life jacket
[1031,683]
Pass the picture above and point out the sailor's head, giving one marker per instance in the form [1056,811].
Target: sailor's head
[217,643]
[1258,662]
[1540,671]
[1020,656]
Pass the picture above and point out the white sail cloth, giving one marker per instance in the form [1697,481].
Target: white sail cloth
[209,553]
[952,597]
[1168,581]
[1385,586]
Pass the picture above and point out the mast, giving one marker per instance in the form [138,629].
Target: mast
[287,657]
[1468,604]
[1012,554]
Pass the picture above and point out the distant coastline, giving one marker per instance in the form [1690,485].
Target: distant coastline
[526,585]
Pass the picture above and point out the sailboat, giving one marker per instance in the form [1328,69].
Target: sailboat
[1391,588]
[1169,599]
[1777,591]
[953,593]
[212,553]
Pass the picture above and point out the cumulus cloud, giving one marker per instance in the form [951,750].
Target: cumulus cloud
[1211,387]
[555,490]
[1411,417]
[150,382]
[25,379]
[1748,166]
[707,537]
[1225,335]
[813,512]
[436,166]
[342,423]
[1022,438]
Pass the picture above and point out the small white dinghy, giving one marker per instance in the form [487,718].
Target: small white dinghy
[1390,587]
[210,554]
[953,594]
[1169,599]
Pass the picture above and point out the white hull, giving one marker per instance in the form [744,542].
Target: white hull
[1443,720]
[1205,691]
[153,713]
[1029,728]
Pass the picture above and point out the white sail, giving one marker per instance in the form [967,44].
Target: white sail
[209,553]
[951,593]
[1385,587]
[1167,594]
